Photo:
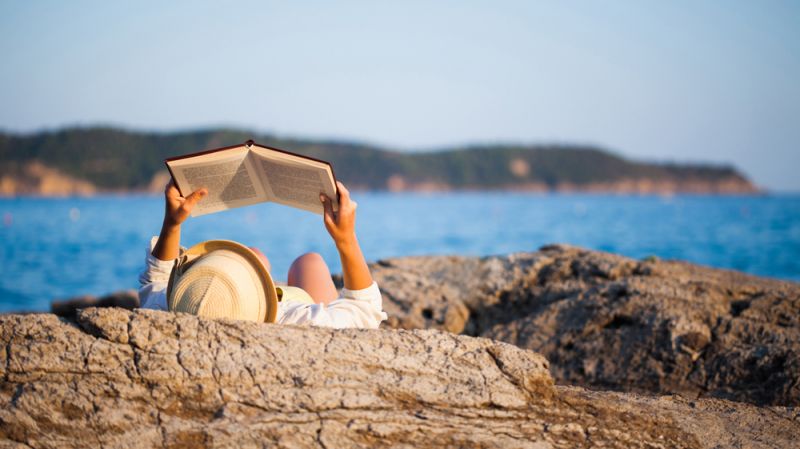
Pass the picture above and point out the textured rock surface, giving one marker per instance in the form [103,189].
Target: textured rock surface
[612,322]
[153,379]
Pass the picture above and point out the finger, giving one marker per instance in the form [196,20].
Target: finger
[342,189]
[327,206]
[192,199]
[329,221]
[344,196]
[170,188]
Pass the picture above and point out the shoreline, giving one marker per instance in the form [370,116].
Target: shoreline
[554,192]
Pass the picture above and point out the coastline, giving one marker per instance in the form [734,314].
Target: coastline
[622,188]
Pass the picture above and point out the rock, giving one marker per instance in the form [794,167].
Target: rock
[611,322]
[36,178]
[116,378]
[127,299]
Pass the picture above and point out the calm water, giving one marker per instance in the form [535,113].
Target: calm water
[58,248]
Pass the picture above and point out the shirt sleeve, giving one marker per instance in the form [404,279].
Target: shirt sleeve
[154,279]
[354,308]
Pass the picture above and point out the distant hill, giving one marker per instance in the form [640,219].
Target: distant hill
[86,160]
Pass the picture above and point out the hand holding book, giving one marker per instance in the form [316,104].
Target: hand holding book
[341,225]
[249,173]
[178,208]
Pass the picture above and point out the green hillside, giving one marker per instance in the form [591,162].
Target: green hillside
[115,159]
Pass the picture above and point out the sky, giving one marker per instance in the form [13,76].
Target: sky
[684,81]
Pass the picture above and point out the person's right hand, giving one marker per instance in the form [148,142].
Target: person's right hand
[178,208]
[341,225]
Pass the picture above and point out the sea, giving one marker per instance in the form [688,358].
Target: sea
[68,247]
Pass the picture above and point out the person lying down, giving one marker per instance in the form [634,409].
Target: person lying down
[225,279]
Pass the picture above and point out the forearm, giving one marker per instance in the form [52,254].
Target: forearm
[169,242]
[354,268]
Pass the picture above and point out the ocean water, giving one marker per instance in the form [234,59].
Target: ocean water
[61,248]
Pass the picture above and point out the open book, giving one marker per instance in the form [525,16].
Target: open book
[250,173]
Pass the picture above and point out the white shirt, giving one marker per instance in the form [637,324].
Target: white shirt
[354,308]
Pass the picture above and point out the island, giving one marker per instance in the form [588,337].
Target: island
[84,161]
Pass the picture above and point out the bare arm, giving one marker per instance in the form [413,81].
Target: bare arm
[341,226]
[176,211]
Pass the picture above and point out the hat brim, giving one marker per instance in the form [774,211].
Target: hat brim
[203,248]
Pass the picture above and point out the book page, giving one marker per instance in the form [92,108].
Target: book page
[295,181]
[229,182]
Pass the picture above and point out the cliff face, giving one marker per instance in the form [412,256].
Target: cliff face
[729,185]
[38,179]
[607,321]
[55,184]
[122,379]
[34,178]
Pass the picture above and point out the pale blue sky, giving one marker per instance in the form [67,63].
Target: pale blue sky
[711,81]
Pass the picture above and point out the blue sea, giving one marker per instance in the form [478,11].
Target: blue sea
[61,248]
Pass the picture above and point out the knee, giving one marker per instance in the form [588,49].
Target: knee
[308,259]
[306,263]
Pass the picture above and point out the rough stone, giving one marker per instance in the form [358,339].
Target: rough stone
[612,322]
[116,378]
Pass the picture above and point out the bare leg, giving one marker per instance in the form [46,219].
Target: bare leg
[311,273]
[262,257]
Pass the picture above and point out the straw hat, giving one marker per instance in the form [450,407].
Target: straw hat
[222,279]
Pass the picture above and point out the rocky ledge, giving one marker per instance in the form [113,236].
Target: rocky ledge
[116,378]
[695,357]
[611,322]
